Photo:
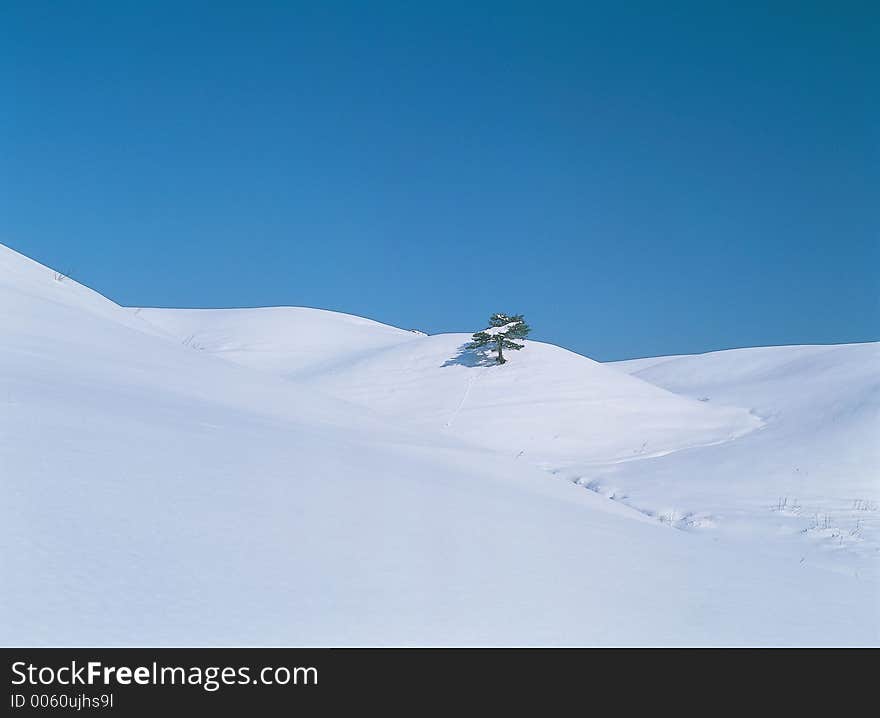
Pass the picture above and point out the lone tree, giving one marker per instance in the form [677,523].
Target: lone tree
[501,334]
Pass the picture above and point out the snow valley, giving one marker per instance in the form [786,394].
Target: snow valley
[293,476]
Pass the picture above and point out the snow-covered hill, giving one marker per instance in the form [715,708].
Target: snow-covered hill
[811,474]
[546,404]
[775,445]
[287,341]
[157,493]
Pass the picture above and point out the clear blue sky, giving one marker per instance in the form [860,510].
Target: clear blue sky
[637,178]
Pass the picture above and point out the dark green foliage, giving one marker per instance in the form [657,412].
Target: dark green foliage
[515,328]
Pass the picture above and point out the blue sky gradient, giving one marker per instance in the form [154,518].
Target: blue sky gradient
[636,178]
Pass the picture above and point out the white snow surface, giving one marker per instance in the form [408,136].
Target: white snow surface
[287,341]
[300,477]
[503,329]
[547,404]
[816,463]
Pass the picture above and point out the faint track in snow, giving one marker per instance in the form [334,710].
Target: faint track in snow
[680,520]
[642,453]
[464,398]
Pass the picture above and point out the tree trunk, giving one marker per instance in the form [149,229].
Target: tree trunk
[501,358]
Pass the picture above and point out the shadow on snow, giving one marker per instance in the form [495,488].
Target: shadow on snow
[471,357]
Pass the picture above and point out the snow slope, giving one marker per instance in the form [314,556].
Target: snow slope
[546,405]
[811,474]
[821,403]
[680,445]
[287,341]
[157,494]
